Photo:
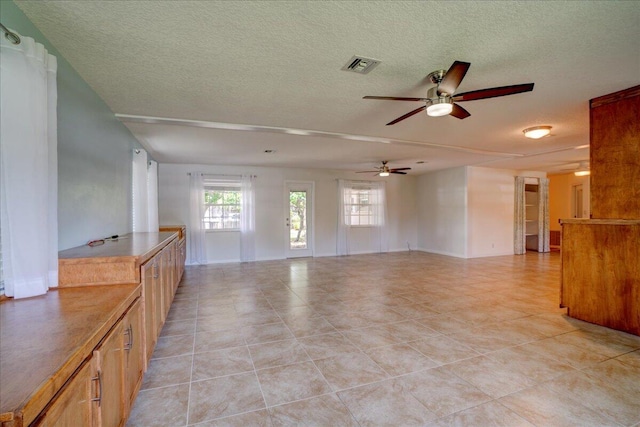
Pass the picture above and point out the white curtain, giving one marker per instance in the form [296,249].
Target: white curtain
[248,219]
[29,163]
[543,215]
[342,238]
[197,253]
[519,242]
[152,196]
[379,202]
[139,192]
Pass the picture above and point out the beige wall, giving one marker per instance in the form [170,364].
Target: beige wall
[560,197]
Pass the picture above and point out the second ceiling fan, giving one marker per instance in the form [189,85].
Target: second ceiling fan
[441,99]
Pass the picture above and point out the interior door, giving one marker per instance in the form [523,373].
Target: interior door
[299,219]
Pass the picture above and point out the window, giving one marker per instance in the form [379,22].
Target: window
[358,208]
[222,202]
[363,204]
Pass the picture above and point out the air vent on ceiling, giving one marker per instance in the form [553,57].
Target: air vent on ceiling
[361,65]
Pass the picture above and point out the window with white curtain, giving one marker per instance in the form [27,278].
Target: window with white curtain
[362,205]
[223,204]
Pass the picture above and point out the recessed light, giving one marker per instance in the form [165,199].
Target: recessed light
[537,132]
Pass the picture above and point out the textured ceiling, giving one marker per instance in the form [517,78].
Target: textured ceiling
[277,65]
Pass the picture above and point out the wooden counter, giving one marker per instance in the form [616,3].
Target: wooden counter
[44,339]
[54,346]
[114,262]
[601,272]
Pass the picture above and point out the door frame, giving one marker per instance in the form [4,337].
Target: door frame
[308,186]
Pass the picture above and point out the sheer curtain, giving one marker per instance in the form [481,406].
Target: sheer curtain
[152,196]
[519,242]
[344,220]
[248,219]
[543,215]
[379,202]
[139,191]
[197,253]
[29,168]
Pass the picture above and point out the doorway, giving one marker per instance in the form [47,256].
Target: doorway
[299,219]
[577,201]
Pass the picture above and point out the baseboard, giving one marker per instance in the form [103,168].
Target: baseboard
[431,251]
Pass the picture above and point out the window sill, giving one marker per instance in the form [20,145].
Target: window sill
[237,230]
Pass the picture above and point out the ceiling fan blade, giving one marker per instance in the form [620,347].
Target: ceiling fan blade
[406,116]
[399,173]
[493,92]
[394,98]
[453,77]
[399,169]
[368,172]
[459,112]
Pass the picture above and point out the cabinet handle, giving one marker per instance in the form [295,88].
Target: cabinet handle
[129,333]
[99,379]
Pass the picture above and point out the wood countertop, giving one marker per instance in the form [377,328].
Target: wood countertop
[139,246]
[44,339]
[600,221]
[114,262]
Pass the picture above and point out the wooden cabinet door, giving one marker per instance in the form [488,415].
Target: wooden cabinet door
[148,308]
[183,258]
[73,406]
[134,351]
[158,293]
[110,362]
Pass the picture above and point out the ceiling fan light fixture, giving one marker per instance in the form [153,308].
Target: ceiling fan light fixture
[582,173]
[383,174]
[439,107]
[537,132]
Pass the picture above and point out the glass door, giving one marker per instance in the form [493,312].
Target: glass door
[299,220]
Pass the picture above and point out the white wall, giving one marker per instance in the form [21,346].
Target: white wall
[467,212]
[490,211]
[442,212]
[271,209]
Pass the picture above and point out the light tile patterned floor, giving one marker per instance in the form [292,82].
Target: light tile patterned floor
[397,339]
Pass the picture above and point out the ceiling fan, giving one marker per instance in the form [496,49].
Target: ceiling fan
[384,170]
[441,99]
[582,168]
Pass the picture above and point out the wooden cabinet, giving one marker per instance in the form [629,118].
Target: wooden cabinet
[74,405]
[149,296]
[134,351]
[109,360]
[98,329]
[601,256]
[615,155]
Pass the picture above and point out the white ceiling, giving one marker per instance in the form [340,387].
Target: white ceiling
[274,67]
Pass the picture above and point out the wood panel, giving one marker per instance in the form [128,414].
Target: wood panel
[601,272]
[73,407]
[615,155]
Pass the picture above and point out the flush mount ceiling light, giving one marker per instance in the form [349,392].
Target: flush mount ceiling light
[537,132]
[440,106]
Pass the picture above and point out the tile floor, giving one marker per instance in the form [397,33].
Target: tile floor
[396,339]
